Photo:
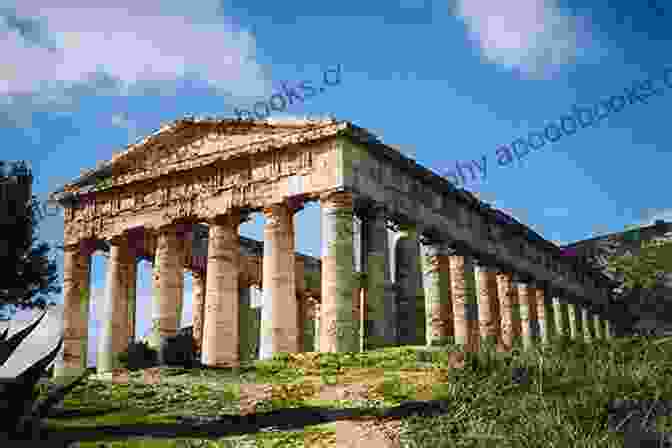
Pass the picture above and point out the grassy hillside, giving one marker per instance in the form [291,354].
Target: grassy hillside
[557,396]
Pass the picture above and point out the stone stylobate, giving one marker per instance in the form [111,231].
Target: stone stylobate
[483,274]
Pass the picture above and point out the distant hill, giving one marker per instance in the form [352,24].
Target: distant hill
[637,311]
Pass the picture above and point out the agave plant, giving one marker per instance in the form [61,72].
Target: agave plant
[21,413]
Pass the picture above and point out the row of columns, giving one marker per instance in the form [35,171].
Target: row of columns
[459,298]
[470,301]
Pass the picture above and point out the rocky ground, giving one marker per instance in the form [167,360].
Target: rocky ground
[566,395]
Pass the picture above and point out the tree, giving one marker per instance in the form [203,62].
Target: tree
[642,278]
[645,270]
[28,276]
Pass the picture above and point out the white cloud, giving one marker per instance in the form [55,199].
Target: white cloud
[533,36]
[120,46]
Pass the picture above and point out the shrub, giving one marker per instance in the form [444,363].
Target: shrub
[18,396]
[138,356]
[178,350]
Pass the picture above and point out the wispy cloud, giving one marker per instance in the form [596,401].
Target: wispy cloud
[533,36]
[62,49]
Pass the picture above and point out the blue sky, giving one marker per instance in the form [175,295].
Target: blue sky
[445,81]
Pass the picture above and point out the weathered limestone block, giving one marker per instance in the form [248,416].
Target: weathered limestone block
[528,314]
[488,304]
[411,296]
[438,304]
[279,323]
[464,309]
[198,307]
[561,317]
[114,325]
[76,296]
[506,293]
[378,299]
[170,283]
[221,335]
[338,332]
[544,314]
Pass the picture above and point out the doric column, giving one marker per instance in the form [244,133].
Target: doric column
[379,326]
[246,325]
[575,328]
[318,323]
[488,304]
[436,282]
[506,293]
[309,328]
[411,296]
[338,331]
[586,324]
[221,333]
[169,280]
[76,296]
[561,318]
[544,314]
[528,312]
[131,281]
[302,307]
[114,325]
[279,323]
[465,312]
[198,306]
[597,326]
[154,337]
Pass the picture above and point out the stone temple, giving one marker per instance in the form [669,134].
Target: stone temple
[407,258]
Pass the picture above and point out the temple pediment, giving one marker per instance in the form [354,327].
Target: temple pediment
[191,142]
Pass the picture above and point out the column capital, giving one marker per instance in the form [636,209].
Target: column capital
[337,199]
[233,218]
[85,246]
[117,239]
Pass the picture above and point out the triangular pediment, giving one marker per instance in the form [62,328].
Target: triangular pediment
[192,139]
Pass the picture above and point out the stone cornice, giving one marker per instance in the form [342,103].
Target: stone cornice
[270,137]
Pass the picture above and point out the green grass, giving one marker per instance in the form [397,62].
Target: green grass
[564,403]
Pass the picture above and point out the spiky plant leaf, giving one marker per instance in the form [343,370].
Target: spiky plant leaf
[8,346]
[17,395]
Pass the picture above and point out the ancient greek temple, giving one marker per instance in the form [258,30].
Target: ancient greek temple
[406,259]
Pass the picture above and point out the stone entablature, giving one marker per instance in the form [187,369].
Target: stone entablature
[152,200]
[268,167]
